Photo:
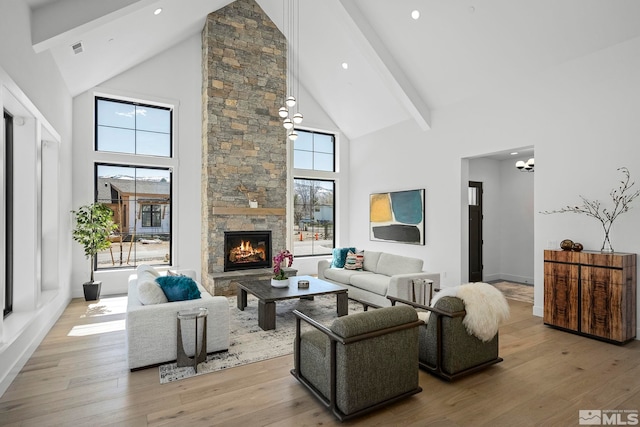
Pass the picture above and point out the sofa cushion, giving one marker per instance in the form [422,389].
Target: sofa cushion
[340,256]
[178,288]
[144,267]
[371,259]
[391,265]
[342,275]
[354,261]
[376,283]
[149,291]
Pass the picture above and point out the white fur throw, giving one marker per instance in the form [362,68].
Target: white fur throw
[485,305]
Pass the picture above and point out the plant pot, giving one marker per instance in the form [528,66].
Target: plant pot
[280,283]
[92,290]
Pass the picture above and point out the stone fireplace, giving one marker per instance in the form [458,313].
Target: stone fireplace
[244,150]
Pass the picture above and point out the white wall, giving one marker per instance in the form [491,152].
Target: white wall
[35,82]
[316,119]
[174,76]
[582,119]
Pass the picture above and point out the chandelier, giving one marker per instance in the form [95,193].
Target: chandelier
[526,166]
[290,112]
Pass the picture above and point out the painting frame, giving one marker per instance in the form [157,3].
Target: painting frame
[398,216]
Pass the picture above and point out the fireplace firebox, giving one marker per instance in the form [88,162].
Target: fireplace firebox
[247,249]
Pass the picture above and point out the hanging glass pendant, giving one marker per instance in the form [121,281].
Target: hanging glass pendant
[283,112]
[291,101]
[297,118]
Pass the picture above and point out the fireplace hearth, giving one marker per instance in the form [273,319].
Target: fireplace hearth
[247,249]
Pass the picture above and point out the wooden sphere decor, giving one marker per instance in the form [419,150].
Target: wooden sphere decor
[566,245]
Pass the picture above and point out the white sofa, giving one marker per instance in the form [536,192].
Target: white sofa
[152,329]
[382,274]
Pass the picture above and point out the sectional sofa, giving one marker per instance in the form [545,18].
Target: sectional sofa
[382,274]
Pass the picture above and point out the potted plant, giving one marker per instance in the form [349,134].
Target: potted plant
[280,280]
[94,224]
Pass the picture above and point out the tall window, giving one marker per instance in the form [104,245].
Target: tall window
[314,191]
[7,191]
[139,196]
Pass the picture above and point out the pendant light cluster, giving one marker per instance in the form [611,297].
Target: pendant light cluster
[527,166]
[290,113]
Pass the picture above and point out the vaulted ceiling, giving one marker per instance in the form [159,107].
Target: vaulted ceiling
[399,68]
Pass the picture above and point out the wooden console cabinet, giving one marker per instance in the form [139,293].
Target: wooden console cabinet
[591,293]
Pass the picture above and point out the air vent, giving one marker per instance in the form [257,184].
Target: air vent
[77,48]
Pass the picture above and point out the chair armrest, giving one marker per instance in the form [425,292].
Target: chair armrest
[437,311]
[401,285]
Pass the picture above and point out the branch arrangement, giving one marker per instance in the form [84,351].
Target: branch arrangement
[621,198]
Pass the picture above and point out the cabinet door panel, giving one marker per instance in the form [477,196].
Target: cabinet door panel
[561,295]
[600,303]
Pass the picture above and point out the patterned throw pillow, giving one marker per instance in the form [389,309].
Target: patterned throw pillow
[354,261]
[340,256]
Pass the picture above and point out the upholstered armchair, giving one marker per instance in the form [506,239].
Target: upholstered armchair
[361,362]
[453,343]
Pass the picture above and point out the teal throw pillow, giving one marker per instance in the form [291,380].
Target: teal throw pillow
[178,288]
[340,256]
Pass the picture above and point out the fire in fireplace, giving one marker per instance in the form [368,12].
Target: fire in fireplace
[247,249]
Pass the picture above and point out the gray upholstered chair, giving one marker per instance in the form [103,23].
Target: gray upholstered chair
[361,362]
[447,349]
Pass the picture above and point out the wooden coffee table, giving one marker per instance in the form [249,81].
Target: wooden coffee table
[268,295]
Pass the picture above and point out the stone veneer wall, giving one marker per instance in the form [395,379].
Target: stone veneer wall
[244,81]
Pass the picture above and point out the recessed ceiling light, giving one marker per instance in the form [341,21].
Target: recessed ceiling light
[415,14]
[345,65]
[514,153]
[158,11]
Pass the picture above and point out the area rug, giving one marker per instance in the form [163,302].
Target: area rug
[516,291]
[249,343]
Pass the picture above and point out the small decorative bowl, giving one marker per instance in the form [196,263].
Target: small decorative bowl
[566,245]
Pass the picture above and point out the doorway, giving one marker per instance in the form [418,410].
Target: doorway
[475,231]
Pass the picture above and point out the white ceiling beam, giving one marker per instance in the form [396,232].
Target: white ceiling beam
[65,21]
[398,81]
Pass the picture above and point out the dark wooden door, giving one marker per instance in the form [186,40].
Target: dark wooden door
[475,231]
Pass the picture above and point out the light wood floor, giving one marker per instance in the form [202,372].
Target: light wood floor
[79,376]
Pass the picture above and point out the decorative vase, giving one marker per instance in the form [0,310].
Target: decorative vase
[606,245]
[279,283]
[577,247]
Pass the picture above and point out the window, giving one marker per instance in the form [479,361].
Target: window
[151,215]
[314,215]
[139,194]
[314,151]
[132,128]
[7,191]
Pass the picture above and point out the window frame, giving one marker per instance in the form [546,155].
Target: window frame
[145,161]
[7,188]
[98,98]
[314,152]
[316,175]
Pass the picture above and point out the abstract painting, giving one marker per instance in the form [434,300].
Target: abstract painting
[397,216]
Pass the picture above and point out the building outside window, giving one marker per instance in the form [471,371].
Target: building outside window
[140,196]
[314,193]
